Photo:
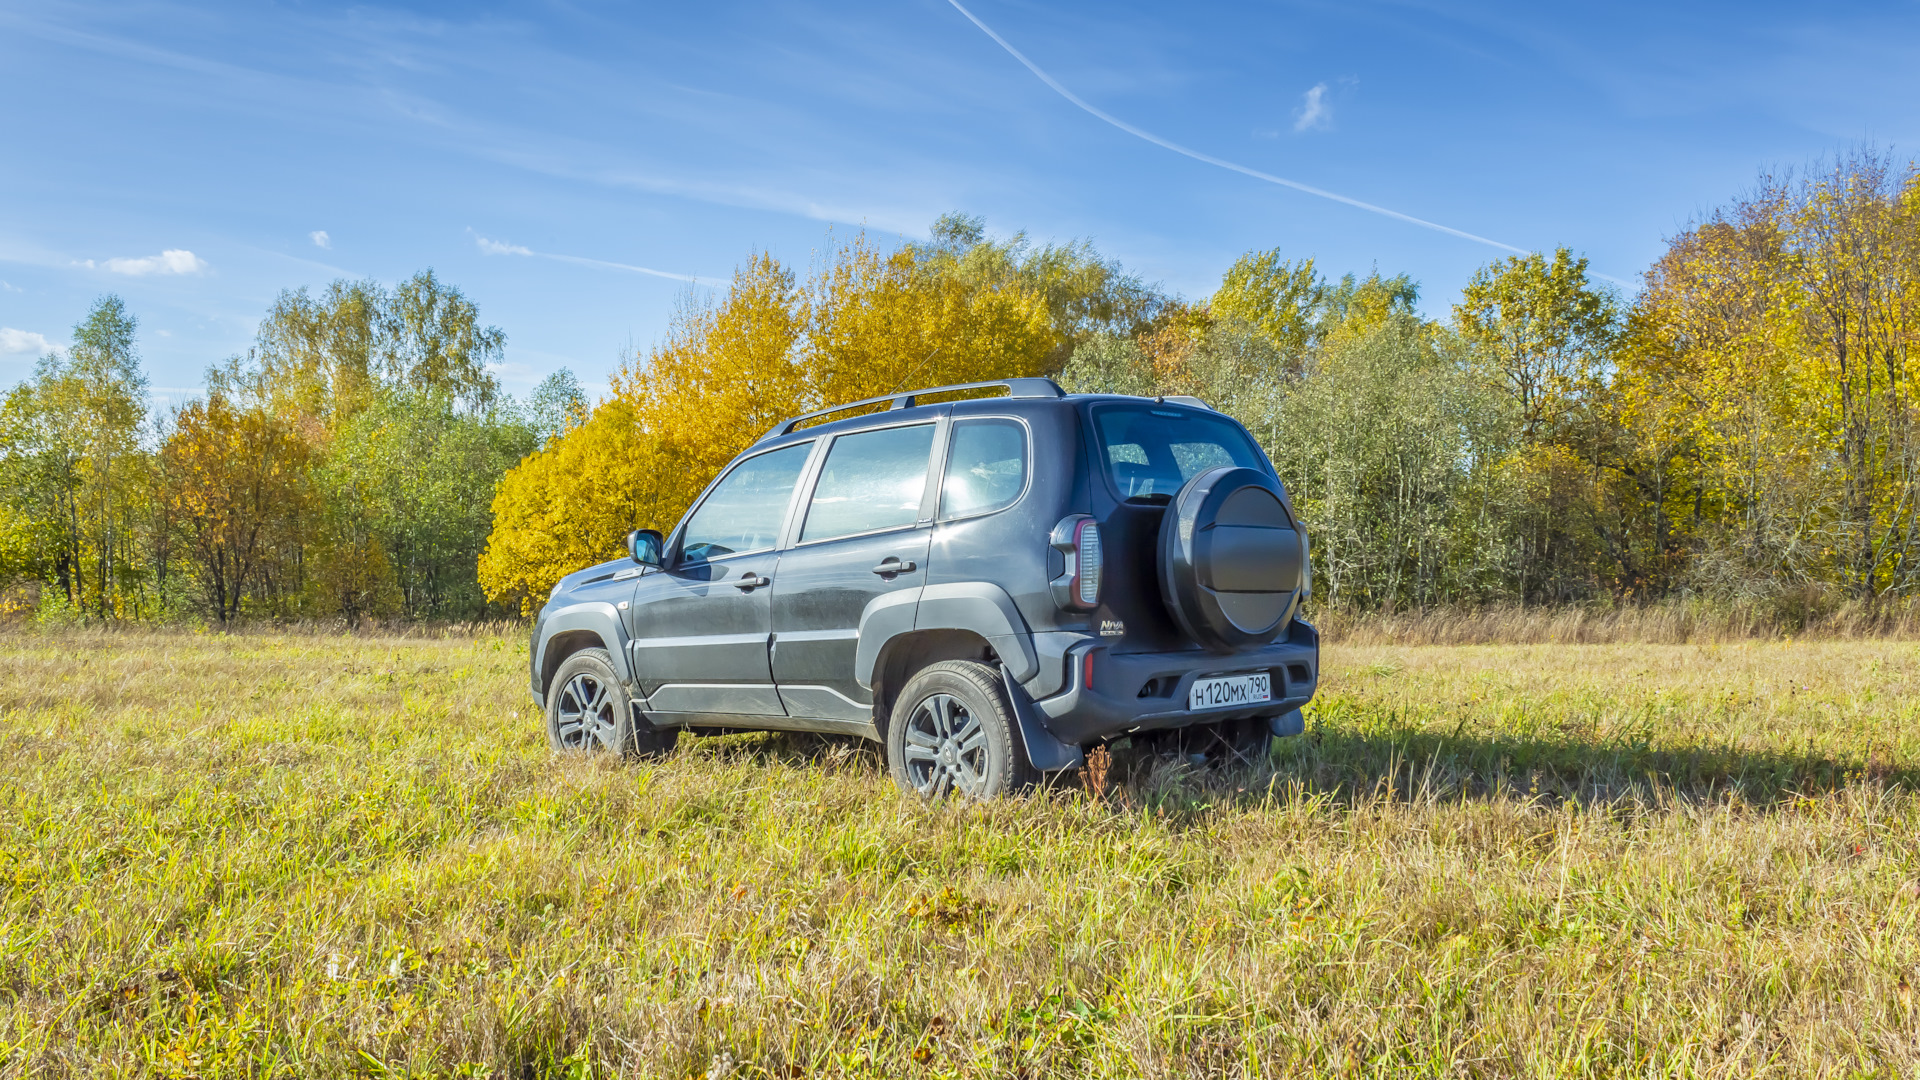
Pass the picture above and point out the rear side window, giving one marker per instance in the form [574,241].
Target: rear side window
[872,480]
[1151,452]
[986,467]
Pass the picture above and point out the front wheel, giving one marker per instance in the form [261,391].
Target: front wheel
[952,730]
[588,711]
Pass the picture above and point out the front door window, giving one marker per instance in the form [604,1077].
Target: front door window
[744,511]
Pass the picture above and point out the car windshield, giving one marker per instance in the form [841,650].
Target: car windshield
[1152,451]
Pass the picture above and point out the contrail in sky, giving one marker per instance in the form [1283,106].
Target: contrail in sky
[1221,162]
[495,247]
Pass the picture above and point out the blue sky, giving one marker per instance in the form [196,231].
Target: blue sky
[197,159]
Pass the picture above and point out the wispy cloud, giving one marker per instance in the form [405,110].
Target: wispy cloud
[1167,144]
[497,247]
[1315,111]
[23,341]
[8,286]
[321,239]
[170,261]
[416,45]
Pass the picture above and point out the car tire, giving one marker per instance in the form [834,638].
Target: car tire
[1222,744]
[589,712]
[953,732]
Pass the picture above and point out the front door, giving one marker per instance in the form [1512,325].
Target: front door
[865,533]
[700,629]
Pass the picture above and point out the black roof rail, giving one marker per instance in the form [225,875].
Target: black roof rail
[1021,388]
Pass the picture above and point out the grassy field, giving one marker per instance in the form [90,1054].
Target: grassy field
[327,856]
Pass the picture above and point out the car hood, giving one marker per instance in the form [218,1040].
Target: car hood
[597,572]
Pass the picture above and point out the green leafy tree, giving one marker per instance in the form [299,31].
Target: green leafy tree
[1384,443]
[392,391]
[73,469]
[557,405]
[1544,330]
[328,356]
[1110,364]
[1545,335]
[412,481]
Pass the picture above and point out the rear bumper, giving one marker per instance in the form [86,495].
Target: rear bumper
[1132,692]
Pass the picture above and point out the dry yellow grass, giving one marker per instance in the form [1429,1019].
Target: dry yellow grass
[1674,623]
[265,855]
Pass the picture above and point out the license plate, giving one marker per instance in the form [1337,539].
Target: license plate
[1230,690]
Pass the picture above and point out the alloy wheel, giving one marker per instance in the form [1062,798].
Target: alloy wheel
[586,714]
[946,748]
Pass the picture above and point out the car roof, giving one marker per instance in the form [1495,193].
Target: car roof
[1001,404]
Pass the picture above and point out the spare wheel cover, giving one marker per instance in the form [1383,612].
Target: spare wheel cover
[1229,558]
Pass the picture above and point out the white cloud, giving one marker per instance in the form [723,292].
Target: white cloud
[321,239]
[170,261]
[23,341]
[8,286]
[1315,110]
[495,247]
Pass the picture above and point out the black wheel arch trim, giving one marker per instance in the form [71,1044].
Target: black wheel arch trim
[581,626]
[978,607]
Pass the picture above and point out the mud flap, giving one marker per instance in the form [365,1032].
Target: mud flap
[1047,753]
[1288,723]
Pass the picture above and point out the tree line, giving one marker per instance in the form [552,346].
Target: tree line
[343,467]
[1742,429]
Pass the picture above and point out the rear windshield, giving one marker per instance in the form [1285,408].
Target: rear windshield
[1151,451]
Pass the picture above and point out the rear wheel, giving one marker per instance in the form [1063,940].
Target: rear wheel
[952,731]
[588,711]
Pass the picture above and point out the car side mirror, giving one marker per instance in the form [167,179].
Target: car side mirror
[644,545]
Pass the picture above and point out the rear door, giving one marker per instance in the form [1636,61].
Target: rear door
[863,532]
[700,628]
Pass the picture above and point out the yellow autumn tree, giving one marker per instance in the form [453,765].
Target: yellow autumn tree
[235,478]
[1785,331]
[1282,299]
[865,323]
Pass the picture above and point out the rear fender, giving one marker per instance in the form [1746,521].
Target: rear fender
[977,607]
[984,609]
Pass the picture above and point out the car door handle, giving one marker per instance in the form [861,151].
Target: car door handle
[752,581]
[893,566]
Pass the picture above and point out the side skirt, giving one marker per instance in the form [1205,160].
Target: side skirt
[741,722]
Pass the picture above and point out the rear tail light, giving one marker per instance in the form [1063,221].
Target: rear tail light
[1089,545]
[1078,587]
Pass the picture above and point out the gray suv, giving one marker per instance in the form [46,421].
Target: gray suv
[985,587]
